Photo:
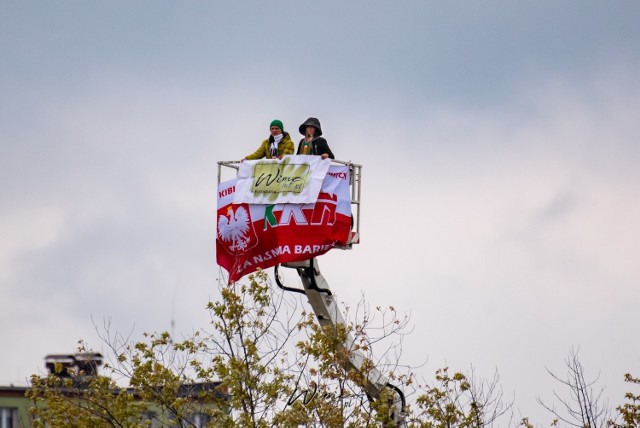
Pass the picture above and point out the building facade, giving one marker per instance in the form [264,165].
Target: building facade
[14,405]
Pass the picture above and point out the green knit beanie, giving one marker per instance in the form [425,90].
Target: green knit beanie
[277,123]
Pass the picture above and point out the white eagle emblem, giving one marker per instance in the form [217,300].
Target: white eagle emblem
[234,229]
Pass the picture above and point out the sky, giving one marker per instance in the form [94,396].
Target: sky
[499,144]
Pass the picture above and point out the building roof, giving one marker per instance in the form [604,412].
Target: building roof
[13,391]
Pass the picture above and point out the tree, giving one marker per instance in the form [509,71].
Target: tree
[585,407]
[629,412]
[458,400]
[271,364]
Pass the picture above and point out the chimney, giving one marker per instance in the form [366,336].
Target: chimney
[74,365]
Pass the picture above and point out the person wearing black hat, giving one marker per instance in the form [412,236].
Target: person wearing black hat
[313,143]
[276,146]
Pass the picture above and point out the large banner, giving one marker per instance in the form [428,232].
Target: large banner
[294,179]
[252,236]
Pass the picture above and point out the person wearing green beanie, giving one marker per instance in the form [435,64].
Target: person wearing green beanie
[278,123]
[276,146]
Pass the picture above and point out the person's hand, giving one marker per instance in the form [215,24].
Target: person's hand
[324,156]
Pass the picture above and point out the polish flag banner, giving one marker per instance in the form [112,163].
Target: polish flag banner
[252,236]
[293,179]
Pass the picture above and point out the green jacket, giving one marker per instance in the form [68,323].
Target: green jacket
[285,147]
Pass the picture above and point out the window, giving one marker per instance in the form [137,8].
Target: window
[8,417]
[196,420]
[150,416]
[200,420]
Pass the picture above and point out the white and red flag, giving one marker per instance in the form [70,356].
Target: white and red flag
[252,235]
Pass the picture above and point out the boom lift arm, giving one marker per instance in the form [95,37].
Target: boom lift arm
[323,303]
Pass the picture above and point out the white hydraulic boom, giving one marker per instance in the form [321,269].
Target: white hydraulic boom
[323,303]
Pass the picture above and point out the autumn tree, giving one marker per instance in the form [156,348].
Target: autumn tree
[460,400]
[271,364]
[629,412]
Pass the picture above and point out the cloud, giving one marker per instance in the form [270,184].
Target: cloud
[499,152]
[510,234]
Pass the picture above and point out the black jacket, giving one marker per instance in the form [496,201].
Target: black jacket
[319,146]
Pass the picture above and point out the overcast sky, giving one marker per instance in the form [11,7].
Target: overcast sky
[500,153]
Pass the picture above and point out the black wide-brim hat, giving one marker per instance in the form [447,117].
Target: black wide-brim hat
[312,121]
